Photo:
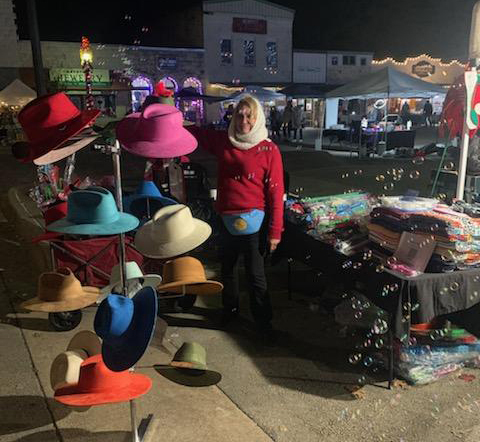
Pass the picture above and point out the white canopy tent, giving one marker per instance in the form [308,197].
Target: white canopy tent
[17,93]
[258,92]
[384,83]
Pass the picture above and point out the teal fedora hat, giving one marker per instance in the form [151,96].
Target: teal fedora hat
[93,211]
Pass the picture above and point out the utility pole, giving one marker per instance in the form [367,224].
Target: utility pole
[36,48]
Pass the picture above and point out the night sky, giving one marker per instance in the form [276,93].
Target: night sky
[385,27]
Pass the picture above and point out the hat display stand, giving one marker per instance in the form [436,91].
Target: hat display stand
[138,432]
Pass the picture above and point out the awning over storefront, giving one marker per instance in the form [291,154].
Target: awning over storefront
[190,93]
[307,90]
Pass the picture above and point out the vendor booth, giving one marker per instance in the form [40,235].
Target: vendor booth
[382,86]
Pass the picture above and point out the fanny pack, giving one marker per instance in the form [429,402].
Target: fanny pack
[245,223]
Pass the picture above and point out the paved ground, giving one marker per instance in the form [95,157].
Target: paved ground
[296,391]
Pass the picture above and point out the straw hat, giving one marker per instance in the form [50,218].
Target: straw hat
[187,275]
[98,385]
[61,291]
[189,367]
[171,232]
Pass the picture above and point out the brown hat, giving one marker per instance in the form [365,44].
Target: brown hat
[61,291]
[187,272]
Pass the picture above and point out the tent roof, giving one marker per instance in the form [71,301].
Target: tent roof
[258,92]
[17,94]
[386,82]
[190,93]
[306,90]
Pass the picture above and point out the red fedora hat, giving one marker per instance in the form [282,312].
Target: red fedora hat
[52,214]
[49,122]
[98,385]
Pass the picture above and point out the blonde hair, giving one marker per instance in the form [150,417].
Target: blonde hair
[247,101]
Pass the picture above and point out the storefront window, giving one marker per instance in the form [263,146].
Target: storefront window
[226,56]
[142,87]
[334,61]
[272,56]
[349,60]
[193,110]
[249,52]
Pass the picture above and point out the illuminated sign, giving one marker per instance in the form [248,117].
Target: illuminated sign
[423,69]
[76,77]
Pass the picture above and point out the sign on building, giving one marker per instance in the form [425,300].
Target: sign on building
[249,25]
[167,63]
[76,77]
[423,69]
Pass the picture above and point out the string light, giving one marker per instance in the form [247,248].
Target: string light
[418,58]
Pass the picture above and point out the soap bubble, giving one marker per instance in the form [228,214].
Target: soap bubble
[357,266]
[367,255]
[354,358]
[357,304]
[454,286]
[414,174]
[367,343]
[380,268]
[380,326]
[368,361]
[418,160]
[344,175]
[391,260]
[393,287]
[380,178]
[412,341]
[379,343]
[347,264]
[449,166]
[358,315]
[388,186]
[362,380]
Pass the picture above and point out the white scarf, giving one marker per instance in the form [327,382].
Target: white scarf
[258,133]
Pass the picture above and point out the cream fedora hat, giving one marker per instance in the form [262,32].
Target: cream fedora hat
[171,232]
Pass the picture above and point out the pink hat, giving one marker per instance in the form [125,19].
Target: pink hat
[157,132]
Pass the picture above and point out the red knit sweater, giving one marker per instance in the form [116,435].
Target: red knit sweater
[247,179]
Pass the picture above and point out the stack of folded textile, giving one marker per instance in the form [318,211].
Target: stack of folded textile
[436,355]
[457,235]
[338,220]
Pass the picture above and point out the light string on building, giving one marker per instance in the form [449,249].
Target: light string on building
[417,58]
[86,57]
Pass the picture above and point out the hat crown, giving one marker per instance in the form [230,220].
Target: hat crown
[185,269]
[94,205]
[114,316]
[172,223]
[132,271]
[96,377]
[65,368]
[191,354]
[159,122]
[58,286]
[56,212]
[47,112]
[148,188]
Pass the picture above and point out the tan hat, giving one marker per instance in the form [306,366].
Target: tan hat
[65,367]
[171,232]
[61,291]
[187,272]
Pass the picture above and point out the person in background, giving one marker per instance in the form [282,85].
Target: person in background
[228,114]
[250,204]
[287,120]
[427,112]
[298,121]
[405,112]
[275,122]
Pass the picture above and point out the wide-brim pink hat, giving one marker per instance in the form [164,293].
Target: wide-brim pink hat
[157,132]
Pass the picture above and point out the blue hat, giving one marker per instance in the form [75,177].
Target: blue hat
[126,326]
[93,211]
[146,199]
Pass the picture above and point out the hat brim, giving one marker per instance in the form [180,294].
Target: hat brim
[63,152]
[181,143]
[47,236]
[75,126]
[88,297]
[125,223]
[145,242]
[189,377]
[148,281]
[197,287]
[139,385]
[129,200]
[87,341]
[127,351]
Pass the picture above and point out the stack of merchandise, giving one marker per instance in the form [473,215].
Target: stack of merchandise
[457,235]
[338,220]
[436,353]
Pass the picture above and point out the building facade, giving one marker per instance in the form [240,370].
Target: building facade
[247,42]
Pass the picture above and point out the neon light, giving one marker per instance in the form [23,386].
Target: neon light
[196,84]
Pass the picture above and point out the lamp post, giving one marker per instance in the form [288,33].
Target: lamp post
[86,58]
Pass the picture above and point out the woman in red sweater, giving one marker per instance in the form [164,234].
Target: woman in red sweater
[250,203]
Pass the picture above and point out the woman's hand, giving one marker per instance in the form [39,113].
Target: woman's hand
[273,243]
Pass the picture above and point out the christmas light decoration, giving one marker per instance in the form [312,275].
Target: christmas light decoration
[418,58]
[86,58]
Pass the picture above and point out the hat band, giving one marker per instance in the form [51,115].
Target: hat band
[100,219]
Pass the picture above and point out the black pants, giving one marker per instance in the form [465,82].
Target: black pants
[253,249]
[300,132]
